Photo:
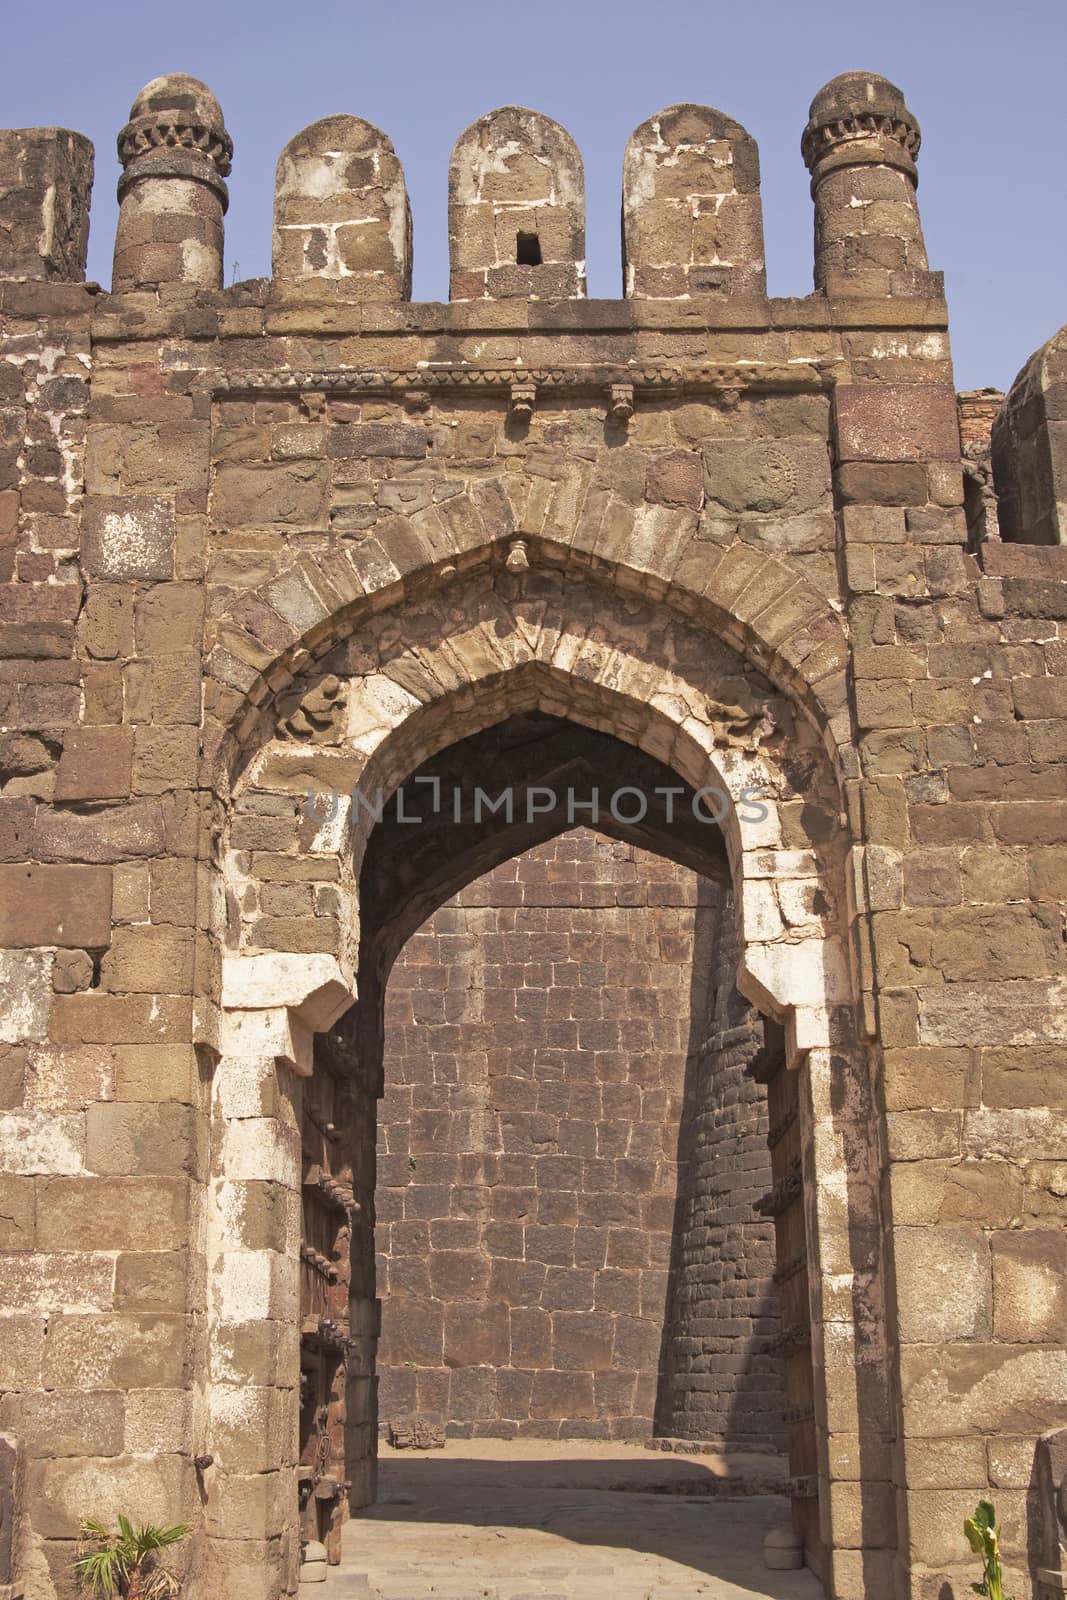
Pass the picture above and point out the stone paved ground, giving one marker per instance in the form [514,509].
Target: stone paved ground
[518,1520]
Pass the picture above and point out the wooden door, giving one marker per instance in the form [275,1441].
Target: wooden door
[327,1208]
[785,1203]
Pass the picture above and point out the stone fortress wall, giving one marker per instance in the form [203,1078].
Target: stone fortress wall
[301,533]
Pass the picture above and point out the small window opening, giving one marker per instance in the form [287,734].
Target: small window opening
[527,250]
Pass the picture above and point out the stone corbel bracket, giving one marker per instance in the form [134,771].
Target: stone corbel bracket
[522,398]
[283,1000]
[620,403]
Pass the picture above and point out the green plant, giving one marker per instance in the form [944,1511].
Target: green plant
[983,1536]
[127,1563]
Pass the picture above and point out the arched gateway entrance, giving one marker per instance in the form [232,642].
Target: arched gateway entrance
[322,879]
[307,535]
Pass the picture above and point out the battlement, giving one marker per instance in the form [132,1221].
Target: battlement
[692,218]
[693,265]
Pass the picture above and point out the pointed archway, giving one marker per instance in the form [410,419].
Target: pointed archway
[489,645]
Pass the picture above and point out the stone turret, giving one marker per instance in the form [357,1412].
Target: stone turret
[175,154]
[516,210]
[691,216]
[341,212]
[860,146]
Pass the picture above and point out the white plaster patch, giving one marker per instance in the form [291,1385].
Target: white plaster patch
[25,995]
[761,918]
[253,1285]
[69,1282]
[41,1142]
[780,864]
[280,979]
[257,1033]
[799,898]
[243,1083]
[69,1077]
[245,1282]
[329,839]
[235,1404]
[230,1206]
[261,1148]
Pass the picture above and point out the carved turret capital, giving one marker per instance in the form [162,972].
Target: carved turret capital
[149,135]
[175,131]
[860,119]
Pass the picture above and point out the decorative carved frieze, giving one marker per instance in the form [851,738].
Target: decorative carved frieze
[589,378]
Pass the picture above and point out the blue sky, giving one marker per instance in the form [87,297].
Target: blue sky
[985,79]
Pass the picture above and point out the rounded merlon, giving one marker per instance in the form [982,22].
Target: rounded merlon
[1027,448]
[854,92]
[44,203]
[341,209]
[692,218]
[857,110]
[178,114]
[516,209]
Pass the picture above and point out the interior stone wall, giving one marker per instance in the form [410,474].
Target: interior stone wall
[544,1034]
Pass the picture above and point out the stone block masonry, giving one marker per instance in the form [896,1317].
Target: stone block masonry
[543,1033]
[302,537]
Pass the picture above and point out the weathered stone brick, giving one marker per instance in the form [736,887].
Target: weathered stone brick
[944,1289]
[97,1018]
[895,423]
[115,834]
[1029,1285]
[675,478]
[113,1213]
[96,764]
[148,961]
[122,1138]
[17,1212]
[68,1422]
[57,905]
[372,439]
[128,537]
[291,495]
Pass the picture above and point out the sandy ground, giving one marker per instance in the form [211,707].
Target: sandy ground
[534,1520]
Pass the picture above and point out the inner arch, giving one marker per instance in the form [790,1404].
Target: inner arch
[410,870]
